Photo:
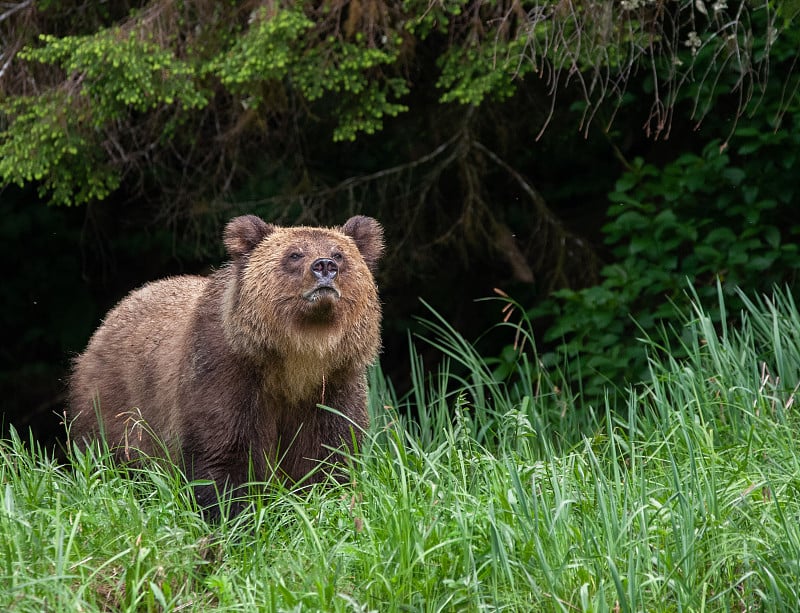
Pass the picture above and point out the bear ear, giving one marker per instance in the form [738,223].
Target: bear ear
[243,233]
[368,236]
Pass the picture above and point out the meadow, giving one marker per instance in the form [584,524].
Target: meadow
[473,492]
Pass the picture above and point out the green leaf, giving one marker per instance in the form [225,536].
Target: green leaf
[735,176]
[772,235]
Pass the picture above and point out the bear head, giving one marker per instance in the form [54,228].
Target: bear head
[304,293]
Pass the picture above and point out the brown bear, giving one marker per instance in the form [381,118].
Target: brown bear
[225,373]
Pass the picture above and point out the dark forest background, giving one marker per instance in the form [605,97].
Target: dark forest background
[589,160]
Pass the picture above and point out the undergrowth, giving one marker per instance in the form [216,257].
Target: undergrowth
[681,494]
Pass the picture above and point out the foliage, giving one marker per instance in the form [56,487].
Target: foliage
[140,93]
[121,99]
[45,144]
[119,72]
[701,217]
[269,54]
[665,507]
[725,213]
[469,75]
[52,139]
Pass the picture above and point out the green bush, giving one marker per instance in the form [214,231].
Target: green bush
[723,212]
[719,215]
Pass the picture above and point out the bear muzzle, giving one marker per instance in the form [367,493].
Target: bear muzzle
[324,271]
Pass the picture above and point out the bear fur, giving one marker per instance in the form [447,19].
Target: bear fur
[225,373]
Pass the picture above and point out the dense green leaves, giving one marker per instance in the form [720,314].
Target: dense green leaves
[265,52]
[472,74]
[275,50]
[52,139]
[706,218]
[118,72]
[721,214]
[215,70]
[47,144]
[66,140]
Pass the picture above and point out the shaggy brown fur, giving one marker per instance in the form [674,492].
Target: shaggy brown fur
[226,372]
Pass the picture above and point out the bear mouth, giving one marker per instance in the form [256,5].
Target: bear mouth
[321,293]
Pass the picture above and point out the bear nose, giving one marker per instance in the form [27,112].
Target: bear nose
[324,268]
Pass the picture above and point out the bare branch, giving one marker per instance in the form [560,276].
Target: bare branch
[13,7]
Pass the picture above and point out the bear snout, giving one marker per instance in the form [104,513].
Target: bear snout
[324,271]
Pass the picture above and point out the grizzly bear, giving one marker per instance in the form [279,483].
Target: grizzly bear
[226,373]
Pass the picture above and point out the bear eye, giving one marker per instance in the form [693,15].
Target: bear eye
[337,256]
[295,255]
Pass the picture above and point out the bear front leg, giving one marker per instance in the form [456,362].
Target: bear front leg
[228,468]
[320,439]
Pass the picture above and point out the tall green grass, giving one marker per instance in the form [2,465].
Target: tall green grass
[680,494]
